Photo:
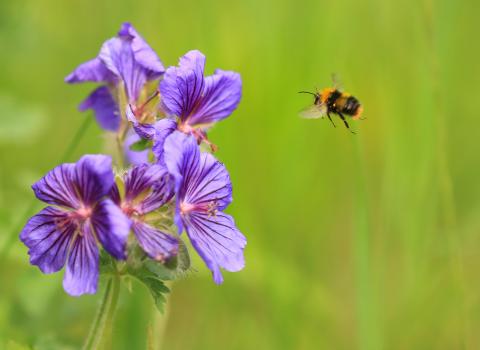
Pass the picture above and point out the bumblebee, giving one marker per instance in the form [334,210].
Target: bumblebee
[332,101]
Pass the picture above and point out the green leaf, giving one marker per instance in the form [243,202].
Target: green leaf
[141,145]
[154,284]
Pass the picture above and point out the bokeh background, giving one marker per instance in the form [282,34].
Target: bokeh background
[367,241]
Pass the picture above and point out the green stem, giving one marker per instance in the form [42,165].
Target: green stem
[12,236]
[76,139]
[120,155]
[99,336]
[160,321]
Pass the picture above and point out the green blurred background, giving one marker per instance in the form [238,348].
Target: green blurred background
[367,241]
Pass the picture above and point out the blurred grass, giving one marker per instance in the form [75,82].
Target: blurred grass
[355,242]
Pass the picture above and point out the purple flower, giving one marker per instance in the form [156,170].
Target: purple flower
[197,101]
[147,188]
[126,59]
[203,190]
[80,216]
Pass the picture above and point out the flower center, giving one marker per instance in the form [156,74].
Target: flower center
[79,217]
[185,128]
[128,209]
[209,208]
[82,213]
[186,208]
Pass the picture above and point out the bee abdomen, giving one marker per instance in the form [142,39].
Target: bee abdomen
[351,106]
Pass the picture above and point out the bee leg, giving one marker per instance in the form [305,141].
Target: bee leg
[328,115]
[346,123]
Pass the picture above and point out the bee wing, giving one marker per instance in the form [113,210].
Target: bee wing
[337,82]
[313,112]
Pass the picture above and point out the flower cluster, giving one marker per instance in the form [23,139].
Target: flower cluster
[161,118]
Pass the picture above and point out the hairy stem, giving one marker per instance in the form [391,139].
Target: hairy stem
[99,336]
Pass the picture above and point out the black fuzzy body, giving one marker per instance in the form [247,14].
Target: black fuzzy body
[340,103]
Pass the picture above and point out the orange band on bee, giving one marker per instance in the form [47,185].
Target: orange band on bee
[358,113]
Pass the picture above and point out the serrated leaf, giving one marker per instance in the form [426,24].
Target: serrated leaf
[141,145]
[157,288]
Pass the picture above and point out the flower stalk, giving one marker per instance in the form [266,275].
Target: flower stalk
[100,333]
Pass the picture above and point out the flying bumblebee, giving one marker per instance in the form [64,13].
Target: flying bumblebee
[332,101]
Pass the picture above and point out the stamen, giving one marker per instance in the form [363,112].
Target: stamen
[202,137]
[185,128]
[129,209]
[209,208]
[139,111]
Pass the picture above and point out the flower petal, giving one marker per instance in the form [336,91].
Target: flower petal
[145,131]
[182,86]
[142,52]
[114,194]
[157,244]
[151,181]
[181,152]
[94,177]
[161,193]
[112,227]
[220,98]
[134,157]
[180,149]
[93,70]
[117,55]
[209,184]
[140,178]
[105,108]
[217,240]
[163,128]
[58,186]
[81,275]
[48,235]
[130,58]
[203,178]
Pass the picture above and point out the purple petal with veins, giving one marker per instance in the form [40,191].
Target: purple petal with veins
[105,108]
